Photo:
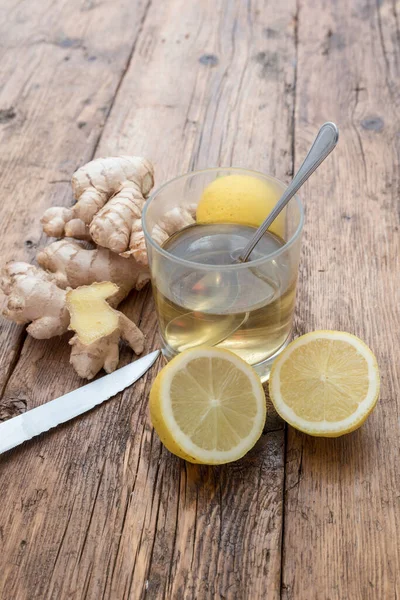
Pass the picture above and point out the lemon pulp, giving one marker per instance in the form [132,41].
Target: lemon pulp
[208,406]
[325,383]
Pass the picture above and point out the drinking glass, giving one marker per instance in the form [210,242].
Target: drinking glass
[204,298]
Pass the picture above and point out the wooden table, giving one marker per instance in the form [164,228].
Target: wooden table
[98,508]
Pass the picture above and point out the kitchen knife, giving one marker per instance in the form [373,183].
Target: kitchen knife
[42,418]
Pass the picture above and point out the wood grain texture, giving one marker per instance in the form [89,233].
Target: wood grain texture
[342,529]
[97,508]
[58,83]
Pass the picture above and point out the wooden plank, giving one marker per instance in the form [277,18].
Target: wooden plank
[342,530]
[110,513]
[58,83]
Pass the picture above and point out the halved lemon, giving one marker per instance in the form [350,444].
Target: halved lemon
[241,199]
[208,406]
[325,383]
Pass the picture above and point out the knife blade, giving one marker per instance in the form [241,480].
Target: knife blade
[19,429]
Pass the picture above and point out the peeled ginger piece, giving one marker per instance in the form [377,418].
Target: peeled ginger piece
[92,318]
[98,329]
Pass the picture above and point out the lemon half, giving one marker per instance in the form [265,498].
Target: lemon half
[208,406]
[325,383]
[240,199]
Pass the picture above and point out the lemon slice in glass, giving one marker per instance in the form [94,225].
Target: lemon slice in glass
[325,383]
[208,406]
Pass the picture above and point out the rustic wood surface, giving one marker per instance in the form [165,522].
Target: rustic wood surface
[97,508]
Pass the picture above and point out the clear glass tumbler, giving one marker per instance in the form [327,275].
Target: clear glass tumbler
[202,297]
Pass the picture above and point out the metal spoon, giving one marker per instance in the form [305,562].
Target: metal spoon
[323,145]
[214,329]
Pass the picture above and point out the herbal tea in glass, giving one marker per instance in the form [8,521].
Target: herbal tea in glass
[202,296]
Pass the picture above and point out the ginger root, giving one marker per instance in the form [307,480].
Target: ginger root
[74,266]
[34,298]
[98,329]
[174,220]
[110,194]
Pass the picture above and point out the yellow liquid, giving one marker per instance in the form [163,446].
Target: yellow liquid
[248,311]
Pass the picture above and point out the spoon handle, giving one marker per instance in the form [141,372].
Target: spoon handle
[323,145]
